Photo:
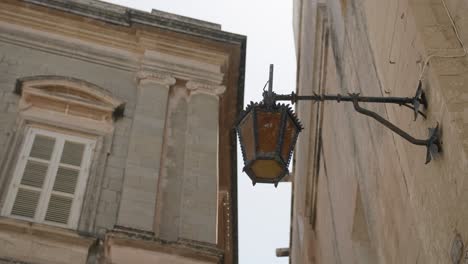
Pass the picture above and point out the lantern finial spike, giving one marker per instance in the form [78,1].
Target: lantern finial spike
[270,79]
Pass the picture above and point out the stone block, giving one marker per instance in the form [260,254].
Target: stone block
[115,161]
[113,184]
[130,209]
[123,126]
[120,146]
[141,178]
[113,172]
[104,221]
[10,98]
[109,196]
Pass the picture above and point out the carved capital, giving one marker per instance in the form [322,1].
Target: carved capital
[204,87]
[155,77]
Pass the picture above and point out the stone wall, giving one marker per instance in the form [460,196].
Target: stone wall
[157,173]
[20,62]
[370,198]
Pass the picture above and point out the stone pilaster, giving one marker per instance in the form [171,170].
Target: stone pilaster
[198,220]
[144,152]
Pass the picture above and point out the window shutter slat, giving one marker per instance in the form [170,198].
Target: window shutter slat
[58,210]
[25,203]
[66,180]
[34,174]
[72,153]
[42,147]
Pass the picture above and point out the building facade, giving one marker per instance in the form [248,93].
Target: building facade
[116,141]
[362,194]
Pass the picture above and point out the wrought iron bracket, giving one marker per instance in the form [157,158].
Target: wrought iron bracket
[433,143]
[414,103]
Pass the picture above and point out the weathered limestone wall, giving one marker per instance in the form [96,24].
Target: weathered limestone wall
[376,201]
[20,62]
[157,174]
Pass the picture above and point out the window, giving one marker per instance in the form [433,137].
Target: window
[64,128]
[50,178]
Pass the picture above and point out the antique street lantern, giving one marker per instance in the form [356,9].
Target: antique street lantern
[268,131]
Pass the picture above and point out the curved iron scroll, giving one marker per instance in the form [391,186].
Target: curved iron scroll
[433,143]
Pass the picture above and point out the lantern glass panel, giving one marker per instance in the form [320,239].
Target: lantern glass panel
[266,169]
[288,138]
[247,134]
[268,130]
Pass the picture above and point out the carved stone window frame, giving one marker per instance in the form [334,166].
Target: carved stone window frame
[72,107]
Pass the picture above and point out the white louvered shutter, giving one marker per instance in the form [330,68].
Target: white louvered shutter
[65,183]
[50,178]
[33,177]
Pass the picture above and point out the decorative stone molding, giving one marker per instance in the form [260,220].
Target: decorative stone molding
[208,88]
[156,77]
[68,102]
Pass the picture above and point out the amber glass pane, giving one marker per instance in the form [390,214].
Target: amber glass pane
[268,130]
[266,169]
[247,135]
[288,138]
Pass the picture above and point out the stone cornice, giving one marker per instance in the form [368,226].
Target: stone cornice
[68,47]
[156,77]
[126,17]
[208,88]
[153,61]
[124,49]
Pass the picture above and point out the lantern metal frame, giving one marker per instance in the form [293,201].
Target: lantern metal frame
[433,143]
[276,155]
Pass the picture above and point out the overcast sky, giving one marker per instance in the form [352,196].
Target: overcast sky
[264,212]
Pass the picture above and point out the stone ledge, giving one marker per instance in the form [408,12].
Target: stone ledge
[134,238]
[12,261]
[45,232]
[27,242]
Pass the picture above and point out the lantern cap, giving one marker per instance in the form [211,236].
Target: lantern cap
[275,106]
